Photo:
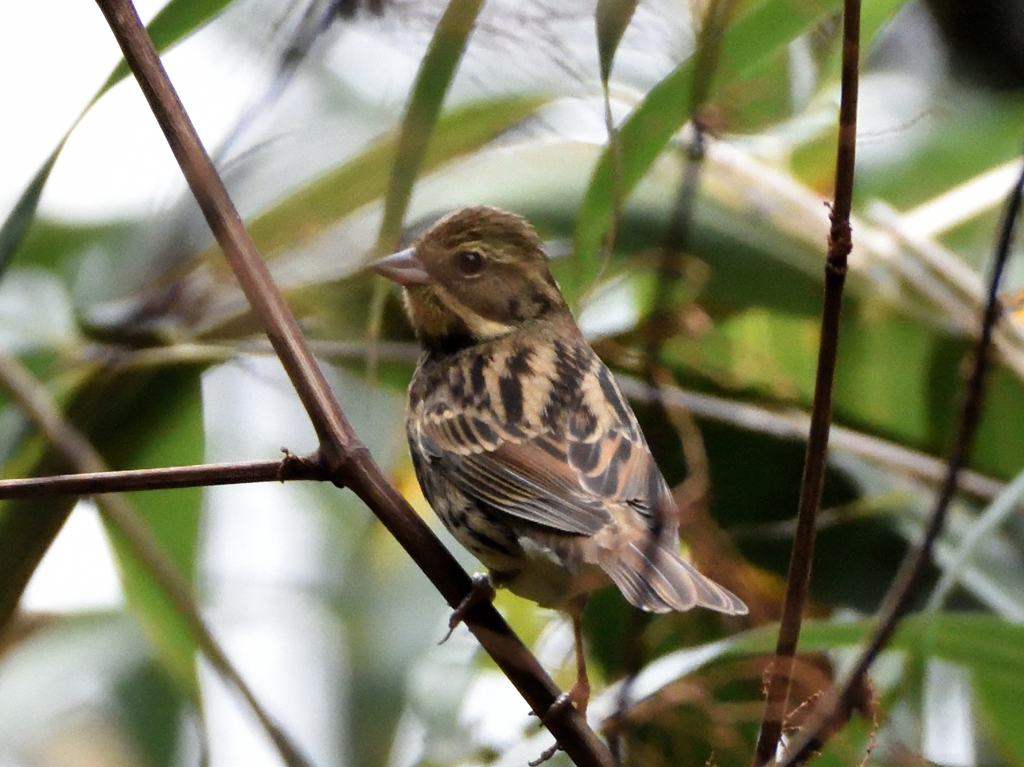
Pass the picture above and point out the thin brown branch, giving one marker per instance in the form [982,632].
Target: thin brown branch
[661,322]
[677,239]
[94,483]
[34,400]
[239,249]
[787,424]
[839,246]
[37,405]
[897,600]
[347,460]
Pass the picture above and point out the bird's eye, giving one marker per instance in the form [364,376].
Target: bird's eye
[470,262]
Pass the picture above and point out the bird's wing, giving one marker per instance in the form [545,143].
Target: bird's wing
[562,472]
[521,479]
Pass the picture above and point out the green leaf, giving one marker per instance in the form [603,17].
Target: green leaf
[977,641]
[875,17]
[755,35]
[120,412]
[172,516]
[24,211]
[961,141]
[365,178]
[612,17]
[424,106]
[991,648]
[900,375]
[175,21]
[771,354]
[999,695]
[151,710]
[50,243]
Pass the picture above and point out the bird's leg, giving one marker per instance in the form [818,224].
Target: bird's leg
[482,591]
[579,693]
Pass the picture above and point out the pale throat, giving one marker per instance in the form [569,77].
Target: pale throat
[433,316]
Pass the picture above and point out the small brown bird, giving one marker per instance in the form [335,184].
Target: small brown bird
[520,438]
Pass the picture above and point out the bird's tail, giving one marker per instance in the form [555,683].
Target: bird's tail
[656,579]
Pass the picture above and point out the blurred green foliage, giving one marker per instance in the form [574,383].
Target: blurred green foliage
[522,125]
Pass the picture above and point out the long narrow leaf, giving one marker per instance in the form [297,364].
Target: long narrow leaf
[174,22]
[365,178]
[645,134]
[24,211]
[177,20]
[432,81]
[173,519]
[612,17]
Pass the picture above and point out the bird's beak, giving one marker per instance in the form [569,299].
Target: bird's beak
[403,267]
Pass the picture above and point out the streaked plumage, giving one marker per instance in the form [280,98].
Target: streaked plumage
[521,440]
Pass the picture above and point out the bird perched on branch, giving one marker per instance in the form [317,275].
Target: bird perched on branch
[520,438]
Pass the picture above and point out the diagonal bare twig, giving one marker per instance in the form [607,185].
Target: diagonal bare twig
[677,240]
[346,459]
[839,246]
[897,600]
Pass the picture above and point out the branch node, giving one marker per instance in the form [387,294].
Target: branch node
[838,269]
[340,463]
[300,466]
[840,237]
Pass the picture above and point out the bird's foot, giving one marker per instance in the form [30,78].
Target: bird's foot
[482,591]
[579,693]
[578,696]
[548,753]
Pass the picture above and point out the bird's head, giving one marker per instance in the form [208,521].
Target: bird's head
[475,275]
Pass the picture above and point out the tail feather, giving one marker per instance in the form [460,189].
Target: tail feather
[658,581]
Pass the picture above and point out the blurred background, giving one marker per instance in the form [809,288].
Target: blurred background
[115,298]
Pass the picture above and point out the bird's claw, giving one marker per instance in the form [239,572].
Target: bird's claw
[548,753]
[578,696]
[482,591]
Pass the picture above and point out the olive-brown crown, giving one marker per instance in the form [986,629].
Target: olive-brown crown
[484,274]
